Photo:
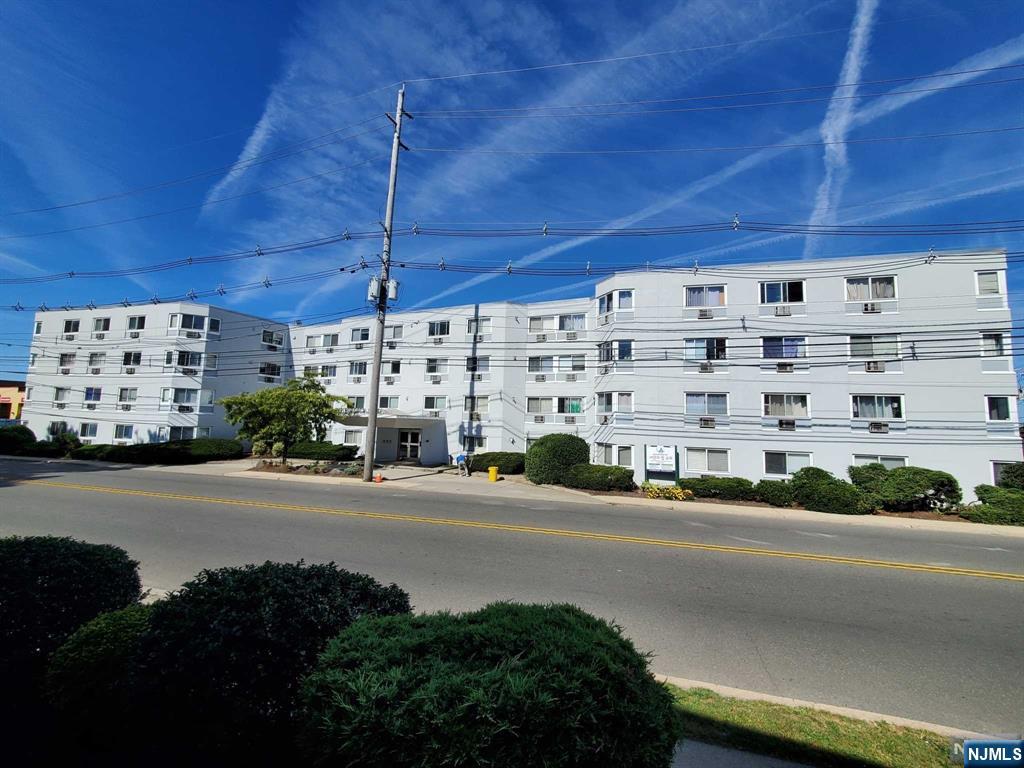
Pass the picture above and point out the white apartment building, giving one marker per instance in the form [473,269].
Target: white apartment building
[752,370]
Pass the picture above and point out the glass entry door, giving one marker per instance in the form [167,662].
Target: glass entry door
[409,444]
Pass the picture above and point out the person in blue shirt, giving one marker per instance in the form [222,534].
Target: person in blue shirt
[463,463]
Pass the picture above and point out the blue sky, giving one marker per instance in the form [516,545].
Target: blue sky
[103,97]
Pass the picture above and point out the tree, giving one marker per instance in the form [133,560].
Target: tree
[294,413]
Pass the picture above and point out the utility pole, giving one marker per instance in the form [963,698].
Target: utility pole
[383,290]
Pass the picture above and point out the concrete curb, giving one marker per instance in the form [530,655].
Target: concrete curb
[855,714]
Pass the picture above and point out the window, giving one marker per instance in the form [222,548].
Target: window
[621,455]
[391,367]
[357,368]
[621,350]
[70,326]
[704,349]
[625,299]
[707,403]
[435,402]
[60,394]
[992,345]
[479,325]
[87,429]
[136,322]
[624,350]
[32,359]
[358,403]
[328,371]
[705,295]
[97,359]
[621,299]
[989,284]
[187,322]
[476,404]
[870,288]
[997,408]
[784,463]
[183,433]
[620,402]
[131,358]
[179,396]
[438,328]
[572,322]
[707,460]
[270,369]
[874,346]
[56,428]
[214,325]
[211,362]
[604,402]
[310,370]
[38,328]
[624,456]
[538,405]
[93,394]
[997,470]
[202,431]
[478,364]
[572,363]
[392,332]
[570,405]
[184,359]
[124,431]
[471,443]
[100,324]
[437,366]
[28,393]
[624,402]
[782,292]
[783,347]
[352,437]
[539,324]
[877,406]
[325,340]
[360,334]
[272,337]
[540,365]
[889,462]
[388,402]
[788,406]
[66,360]
[127,395]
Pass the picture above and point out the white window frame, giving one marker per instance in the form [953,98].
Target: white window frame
[127,394]
[1000,281]
[871,289]
[903,406]
[761,294]
[73,324]
[706,471]
[706,339]
[572,315]
[435,398]
[97,393]
[121,428]
[382,399]
[705,395]
[393,332]
[477,401]
[874,354]
[1004,342]
[359,335]
[802,347]
[877,459]
[787,454]
[37,329]
[357,368]
[435,326]
[704,293]
[1009,410]
[270,336]
[786,403]
[136,322]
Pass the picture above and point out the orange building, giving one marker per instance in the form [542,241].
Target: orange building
[12,397]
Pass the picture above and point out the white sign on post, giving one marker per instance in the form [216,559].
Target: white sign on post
[661,458]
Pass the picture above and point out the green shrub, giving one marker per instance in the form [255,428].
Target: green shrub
[260,448]
[49,587]
[548,459]
[14,438]
[197,451]
[507,462]
[778,493]
[508,685]
[97,452]
[868,477]
[224,656]
[907,489]
[1011,476]
[90,679]
[726,488]
[322,451]
[835,496]
[66,441]
[1000,506]
[804,478]
[43,449]
[599,477]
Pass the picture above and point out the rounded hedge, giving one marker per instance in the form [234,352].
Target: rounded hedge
[725,488]
[1012,476]
[224,656]
[322,451]
[15,438]
[999,506]
[599,477]
[907,489]
[507,462]
[91,683]
[835,496]
[508,685]
[778,493]
[550,457]
[868,477]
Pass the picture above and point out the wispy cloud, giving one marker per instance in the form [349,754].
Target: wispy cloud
[839,116]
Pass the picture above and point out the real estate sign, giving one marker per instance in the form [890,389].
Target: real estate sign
[661,458]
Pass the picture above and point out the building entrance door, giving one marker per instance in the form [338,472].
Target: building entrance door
[409,444]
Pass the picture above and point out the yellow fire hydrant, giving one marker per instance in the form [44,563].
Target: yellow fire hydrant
[492,474]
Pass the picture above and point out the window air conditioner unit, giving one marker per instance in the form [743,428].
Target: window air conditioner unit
[328,350]
[69,337]
[707,422]
[267,379]
[875,366]
[878,427]
[65,371]
[193,335]
[571,336]
[541,337]
[189,372]
[474,416]
[540,377]
[538,419]
[570,377]
[185,409]
[438,340]
[60,405]
[787,425]
[784,367]
[783,311]
[606,419]
[359,346]
[392,345]
[478,377]
[272,347]
[86,442]
[871,308]
[90,406]
[325,382]
[126,406]
[478,337]
[357,379]
[94,371]
[707,368]
[435,379]
[133,334]
[100,336]
[570,419]
[705,314]
[389,379]
[434,414]
[129,371]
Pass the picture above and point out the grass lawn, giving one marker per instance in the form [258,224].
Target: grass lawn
[805,735]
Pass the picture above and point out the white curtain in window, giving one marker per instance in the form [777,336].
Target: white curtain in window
[718,461]
[992,344]
[883,288]
[696,460]
[857,289]
[988,282]
[625,404]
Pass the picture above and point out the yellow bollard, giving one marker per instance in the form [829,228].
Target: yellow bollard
[492,474]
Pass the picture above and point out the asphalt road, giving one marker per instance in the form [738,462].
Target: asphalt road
[934,645]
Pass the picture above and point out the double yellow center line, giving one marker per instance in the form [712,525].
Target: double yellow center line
[535,530]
